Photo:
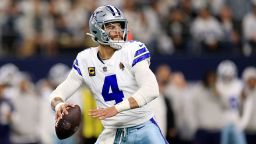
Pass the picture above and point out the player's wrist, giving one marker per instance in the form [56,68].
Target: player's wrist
[54,101]
[123,106]
[58,106]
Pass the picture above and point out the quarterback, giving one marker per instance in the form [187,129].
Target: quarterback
[118,74]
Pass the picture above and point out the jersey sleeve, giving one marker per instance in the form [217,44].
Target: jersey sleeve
[138,52]
[76,66]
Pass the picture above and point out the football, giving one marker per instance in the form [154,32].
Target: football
[69,123]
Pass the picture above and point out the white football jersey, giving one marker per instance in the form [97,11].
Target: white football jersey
[113,80]
[230,95]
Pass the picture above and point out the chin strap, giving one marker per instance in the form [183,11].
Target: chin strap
[91,35]
[114,44]
[117,45]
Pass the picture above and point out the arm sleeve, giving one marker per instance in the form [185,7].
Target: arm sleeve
[67,87]
[148,86]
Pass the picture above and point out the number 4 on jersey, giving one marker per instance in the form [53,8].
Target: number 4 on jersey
[110,90]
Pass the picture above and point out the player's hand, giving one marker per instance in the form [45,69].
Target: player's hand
[63,109]
[103,113]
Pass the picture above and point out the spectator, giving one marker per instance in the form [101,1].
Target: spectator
[6,110]
[26,116]
[216,6]
[239,9]
[147,27]
[179,93]
[231,42]
[177,29]
[208,111]
[249,30]
[36,27]
[75,19]
[11,35]
[161,106]
[206,31]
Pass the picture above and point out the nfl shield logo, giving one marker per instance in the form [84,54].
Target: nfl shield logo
[105,69]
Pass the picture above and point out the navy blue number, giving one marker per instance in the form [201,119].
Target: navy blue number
[110,82]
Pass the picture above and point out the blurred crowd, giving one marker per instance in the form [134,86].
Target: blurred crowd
[218,109]
[26,116]
[168,27]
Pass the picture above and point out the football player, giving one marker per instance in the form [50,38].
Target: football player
[118,73]
[229,88]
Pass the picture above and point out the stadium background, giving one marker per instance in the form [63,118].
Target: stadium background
[190,36]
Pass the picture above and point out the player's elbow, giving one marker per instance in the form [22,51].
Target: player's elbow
[146,94]
[148,90]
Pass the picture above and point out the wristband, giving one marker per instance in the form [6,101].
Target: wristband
[58,106]
[123,106]
[54,101]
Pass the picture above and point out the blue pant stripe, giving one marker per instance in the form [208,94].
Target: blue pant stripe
[154,122]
